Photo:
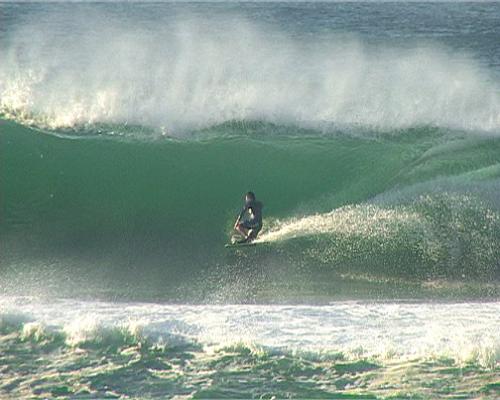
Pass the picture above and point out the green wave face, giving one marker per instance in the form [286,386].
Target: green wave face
[403,214]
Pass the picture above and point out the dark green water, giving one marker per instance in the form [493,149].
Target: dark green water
[411,207]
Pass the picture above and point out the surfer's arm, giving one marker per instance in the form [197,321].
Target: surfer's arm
[242,213]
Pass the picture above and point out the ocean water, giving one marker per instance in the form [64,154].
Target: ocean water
[129,133]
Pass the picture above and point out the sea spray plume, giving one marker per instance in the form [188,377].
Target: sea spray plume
[194,73]
[444,234]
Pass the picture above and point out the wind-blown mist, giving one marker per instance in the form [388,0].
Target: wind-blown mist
[188,73]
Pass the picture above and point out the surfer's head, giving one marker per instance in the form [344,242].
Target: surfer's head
[249,197]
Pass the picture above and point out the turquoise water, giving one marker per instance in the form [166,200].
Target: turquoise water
[129,133]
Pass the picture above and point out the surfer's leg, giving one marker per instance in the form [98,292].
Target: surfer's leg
[252,233]
[242,229]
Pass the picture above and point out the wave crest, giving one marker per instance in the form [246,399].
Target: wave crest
[189,75]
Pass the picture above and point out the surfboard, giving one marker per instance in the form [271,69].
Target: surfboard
[228,245]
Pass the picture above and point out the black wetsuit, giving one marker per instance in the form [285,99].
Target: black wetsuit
[255,211]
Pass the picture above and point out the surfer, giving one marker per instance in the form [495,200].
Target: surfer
[249,222]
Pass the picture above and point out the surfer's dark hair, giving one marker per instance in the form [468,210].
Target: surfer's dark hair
[251,195]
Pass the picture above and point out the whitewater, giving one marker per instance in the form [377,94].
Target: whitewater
[129,133]
[250,351]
